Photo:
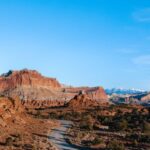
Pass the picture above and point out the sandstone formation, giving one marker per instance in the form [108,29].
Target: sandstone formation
[31,86]
[11,111]
[14,79]
[98,94]
[145,98]
[37,91]
[20,131]
[84,100]
[95,93]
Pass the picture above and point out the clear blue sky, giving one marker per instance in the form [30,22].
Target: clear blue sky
[80,42]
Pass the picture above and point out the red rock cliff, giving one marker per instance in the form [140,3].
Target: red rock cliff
[97,93]
[35,90]
[26,78]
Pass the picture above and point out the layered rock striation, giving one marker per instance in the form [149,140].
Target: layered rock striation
[11,111]
[26,78]
[85,100]
[35,90]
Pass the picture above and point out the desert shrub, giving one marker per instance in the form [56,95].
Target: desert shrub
[135,142]
[38,114]
[16,137]
[53,115]
[96,126]
[66,116]
[9,141]
[28,146]
[97,141]
[75,115]
[105,120]
[86,123]
[133,136]
[146,127]
[112,107]
[122,125]
[68,140]
[115,145]
[139,138]
[145,139]
[70,115]
[119,112]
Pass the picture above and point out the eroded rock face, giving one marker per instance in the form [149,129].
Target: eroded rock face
[29,85]
[146,98]
[42,103]
[98,94]
[83,100]
[18,128]
[26,78]
[11,111]
[35,90]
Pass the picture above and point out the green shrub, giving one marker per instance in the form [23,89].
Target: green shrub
[115,145]
[9,141]
[146,127]
[97,141]
[53,115]
[86,123]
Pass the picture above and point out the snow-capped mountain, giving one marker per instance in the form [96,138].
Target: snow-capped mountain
[122,91]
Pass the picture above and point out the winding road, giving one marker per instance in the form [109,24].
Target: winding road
[57,137]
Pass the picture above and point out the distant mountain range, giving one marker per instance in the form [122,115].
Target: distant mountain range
[122,91]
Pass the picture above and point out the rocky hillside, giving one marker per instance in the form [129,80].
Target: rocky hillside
[97,93]
[31,78]
[143,99]
[29,85]
[20,131]
[35,90]
[11,111]
[85,100]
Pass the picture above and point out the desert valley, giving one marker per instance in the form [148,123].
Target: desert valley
[38,112]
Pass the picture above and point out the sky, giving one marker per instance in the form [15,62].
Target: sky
[79,42]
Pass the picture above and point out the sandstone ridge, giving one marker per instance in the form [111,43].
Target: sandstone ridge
[25,77]
[35,90]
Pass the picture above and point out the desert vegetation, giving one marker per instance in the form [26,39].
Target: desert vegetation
[113,127]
